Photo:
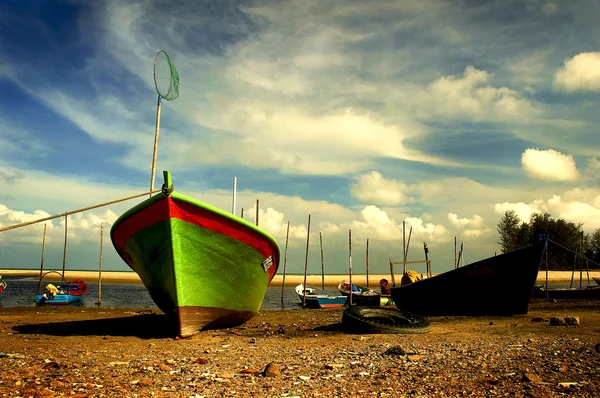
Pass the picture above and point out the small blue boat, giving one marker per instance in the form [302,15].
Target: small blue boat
[59,299]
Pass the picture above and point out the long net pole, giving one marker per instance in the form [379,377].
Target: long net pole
[306,264]
[100,266]
[287,235]
[155,153]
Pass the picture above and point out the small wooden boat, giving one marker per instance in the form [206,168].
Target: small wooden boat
[360,294]
[319,298]
[499,285]
[203,267]
[590,292]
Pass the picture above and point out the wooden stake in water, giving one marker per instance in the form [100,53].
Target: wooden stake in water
[43,249]
[306,265]
[322,263]
[367,263]
[287,235]
[65,251]
[350,261]
[234,194]
[257,212]
[100,266]
[404,244]
[407,247]
[547,292]
[242,215]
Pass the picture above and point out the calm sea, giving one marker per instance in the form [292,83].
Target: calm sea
[21,291]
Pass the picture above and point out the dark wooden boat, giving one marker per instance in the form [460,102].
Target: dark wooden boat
[360,295]
[499,285]
[589,292]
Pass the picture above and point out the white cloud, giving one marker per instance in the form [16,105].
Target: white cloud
[471,98]
[81,227]
[475,221]
[549,165]
[374,188]
[580,73]
[578,206]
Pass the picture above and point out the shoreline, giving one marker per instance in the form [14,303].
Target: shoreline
[130,277]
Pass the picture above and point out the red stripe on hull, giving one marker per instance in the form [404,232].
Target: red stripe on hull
[331,305]
[168,208]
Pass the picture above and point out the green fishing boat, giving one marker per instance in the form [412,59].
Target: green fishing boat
[205,268]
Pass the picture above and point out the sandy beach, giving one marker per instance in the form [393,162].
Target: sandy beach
[290,280]
[91,352]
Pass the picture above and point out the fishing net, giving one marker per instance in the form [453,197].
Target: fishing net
[166,78]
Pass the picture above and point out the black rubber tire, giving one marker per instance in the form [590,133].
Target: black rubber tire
[359,319]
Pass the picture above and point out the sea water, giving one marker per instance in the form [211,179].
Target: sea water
[21,291]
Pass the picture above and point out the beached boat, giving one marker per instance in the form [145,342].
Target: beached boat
[589,292]
[499,285]
[203,267]
[360,295]
[319,298]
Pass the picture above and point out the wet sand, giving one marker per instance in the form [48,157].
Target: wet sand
[98,352]
[290,280]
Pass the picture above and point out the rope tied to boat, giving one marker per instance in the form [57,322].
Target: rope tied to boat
[168,190]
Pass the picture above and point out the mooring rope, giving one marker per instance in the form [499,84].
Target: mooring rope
[575,253]
[68,213]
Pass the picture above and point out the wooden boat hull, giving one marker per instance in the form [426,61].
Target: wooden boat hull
[203,267]
[59,299]
[366,297]
[499,285]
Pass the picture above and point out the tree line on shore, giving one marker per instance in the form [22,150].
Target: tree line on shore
[514,233]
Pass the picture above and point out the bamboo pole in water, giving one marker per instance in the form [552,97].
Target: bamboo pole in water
[404,244]
[257,212]
[306,265]
[100,266]
[455,259]
[234,194]
[64,251]
[43,249]
[367,263]
[407,247]
[350,261]
[322,263]
[287,235]
[547,292]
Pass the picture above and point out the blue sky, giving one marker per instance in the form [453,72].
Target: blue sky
[442,114]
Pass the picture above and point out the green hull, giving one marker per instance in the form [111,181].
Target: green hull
[200,277]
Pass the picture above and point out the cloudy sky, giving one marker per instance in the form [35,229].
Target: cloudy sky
[442,114]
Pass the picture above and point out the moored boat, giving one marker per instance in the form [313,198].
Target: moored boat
[499,285]
[2,284]
[203,267]
[568,293]
[319,298]
[63,294]
[360,295]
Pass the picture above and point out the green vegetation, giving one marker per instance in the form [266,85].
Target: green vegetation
[513,234]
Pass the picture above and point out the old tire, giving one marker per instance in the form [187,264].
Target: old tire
[383,320]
